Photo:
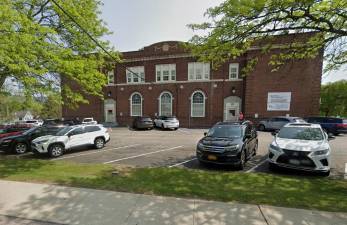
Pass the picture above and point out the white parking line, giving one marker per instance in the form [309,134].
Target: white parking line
[98,151]
[256,166]
[149,153]
[181,163]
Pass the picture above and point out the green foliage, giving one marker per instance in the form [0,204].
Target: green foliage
[40,46]
[334,99]
[235,25]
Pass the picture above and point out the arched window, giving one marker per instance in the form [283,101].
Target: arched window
[198,104]
[136,104]
[165,104]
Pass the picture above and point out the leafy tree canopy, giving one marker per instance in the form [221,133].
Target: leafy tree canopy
[40,45]
[237,24]
[334,99]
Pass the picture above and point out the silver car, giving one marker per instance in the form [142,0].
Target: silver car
[276,123]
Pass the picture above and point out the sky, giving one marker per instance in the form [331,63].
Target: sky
[139,23]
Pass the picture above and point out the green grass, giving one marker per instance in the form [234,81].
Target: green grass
[255,188]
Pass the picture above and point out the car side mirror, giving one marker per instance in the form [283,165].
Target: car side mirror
[69,134]
[205,133]
[249,135]
[274,133]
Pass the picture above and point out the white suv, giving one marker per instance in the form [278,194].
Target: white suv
[71,137]
[301,146]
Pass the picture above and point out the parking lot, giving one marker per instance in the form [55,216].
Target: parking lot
[165,148]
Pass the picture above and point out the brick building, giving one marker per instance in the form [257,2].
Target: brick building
[171,81]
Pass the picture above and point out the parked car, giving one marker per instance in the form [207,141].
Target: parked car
[276,123]
[21,143]
[34,122]
[228,143]
[164,122]
[69,138]
[330,124]
[301,146]
[142,122]
[89,121]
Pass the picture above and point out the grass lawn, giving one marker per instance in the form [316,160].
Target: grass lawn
[255,188]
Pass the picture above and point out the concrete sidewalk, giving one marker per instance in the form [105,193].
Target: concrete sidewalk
[65,205]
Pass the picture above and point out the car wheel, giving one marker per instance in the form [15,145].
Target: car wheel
[272,166]
[99,143]
[20,148]
[56,150]
[176,128]
[162,126]
[261,127]
[242,160]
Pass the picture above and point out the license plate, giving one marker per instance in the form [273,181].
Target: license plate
[294,161]
[212,157]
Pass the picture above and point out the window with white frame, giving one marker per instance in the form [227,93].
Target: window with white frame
[198,71]
[136,104]
[233,71]
[110,77]
[135,74]
[165,104]
[165,72]
[198,104]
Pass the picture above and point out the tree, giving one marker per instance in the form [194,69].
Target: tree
[40,45]
[51,107]
[334,99]
[238,24]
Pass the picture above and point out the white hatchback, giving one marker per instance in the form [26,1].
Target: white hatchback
[71,137]
[301,146]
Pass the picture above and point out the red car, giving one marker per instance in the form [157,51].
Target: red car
[11,131]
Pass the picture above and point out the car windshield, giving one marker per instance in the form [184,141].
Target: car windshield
[63,131]
[225,132]
[301,133]
[30,130]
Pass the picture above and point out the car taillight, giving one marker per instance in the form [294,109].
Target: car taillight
[342,125]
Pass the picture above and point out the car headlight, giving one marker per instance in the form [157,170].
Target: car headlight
[232,148]
[321,152]
[275,147]
[41,142]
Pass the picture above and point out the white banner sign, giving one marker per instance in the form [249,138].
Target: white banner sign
[278,101]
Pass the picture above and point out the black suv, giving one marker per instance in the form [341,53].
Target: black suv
[228,143]
[21,143]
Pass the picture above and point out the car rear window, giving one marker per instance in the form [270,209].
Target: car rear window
[145,119]
[169,118]
[87,120]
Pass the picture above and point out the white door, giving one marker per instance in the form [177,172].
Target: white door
[110,111]
[76,138]
[232,107]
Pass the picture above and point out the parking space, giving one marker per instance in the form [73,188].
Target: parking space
[158,148]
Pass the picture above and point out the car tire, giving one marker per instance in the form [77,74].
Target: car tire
[56,150]
[243,157]
[176,128]
[20,148]
[162,126]
[272,166]
[99,143]
[261,127]
[325,174]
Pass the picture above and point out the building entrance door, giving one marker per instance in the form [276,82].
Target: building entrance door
[232,108]
[110,111]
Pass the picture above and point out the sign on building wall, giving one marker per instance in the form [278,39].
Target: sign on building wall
[278,101]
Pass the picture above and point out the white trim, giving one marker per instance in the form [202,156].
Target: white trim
[237,66]
[131,103]
[191,103]
[159,100]
[110,73]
